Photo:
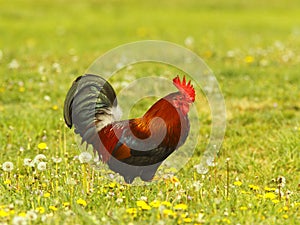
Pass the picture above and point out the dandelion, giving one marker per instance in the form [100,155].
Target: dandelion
[21,89]
[285,216]
[53,208]
[40,210]
[85,157]
[249,59]
[144,198]
[169,212]
[131,210]
[189,42]
[39,158]
[42,166]
[3,213]
[28,162]
[253,187]
[47,98]
[174,180]
[8,166]
[41,70]
[56,67]
[237,183]
[13,64]
[81,201]
[180,207]
[7,181]
[19,220]
[243,208]
[119,200]
[31,215]
[269,189]
[54,107]
[112,185]
[42,146]
[47,195]
[155,204]
[187,220]
[143,205]
[165,203]
[281,181]
[270,195]
[56,159]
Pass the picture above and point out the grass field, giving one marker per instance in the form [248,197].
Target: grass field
[252,47]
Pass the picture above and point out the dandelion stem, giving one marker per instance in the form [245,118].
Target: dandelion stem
[84,178]
[227,174]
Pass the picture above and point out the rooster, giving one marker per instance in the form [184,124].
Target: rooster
[135,147]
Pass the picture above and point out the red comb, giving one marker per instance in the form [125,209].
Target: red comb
[185,88]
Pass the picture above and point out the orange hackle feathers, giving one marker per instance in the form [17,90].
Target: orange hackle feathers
[185,88]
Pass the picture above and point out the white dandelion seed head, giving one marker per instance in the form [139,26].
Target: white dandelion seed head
[41,70]
[56,159]
[13,64]
[281,181]
[47,98]
[42,166]
[19,220]
[56,67]
[27,162]
[189,41]
[119,200]
[8,166]
[31,215]
[39,158]
[144,198]
[85,157]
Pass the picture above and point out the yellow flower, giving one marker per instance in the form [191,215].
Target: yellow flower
[285,208]
[131,210]
[21,89]
[180,207]
[7,181]
[249,59]
[81,202]
[174,179]
[238,183]
[187,220]
[55,107]
[42,146]
[253,187]
[165,203]
[65,204]
[112,185]
[275,201]
[22,214]
[226,220]
[53,208]
[243,208]
[3,213]
[40,210]
[270,195]
[143,205]
[155,204]
[269,189]
[168,212]
[285,216]
[46,195]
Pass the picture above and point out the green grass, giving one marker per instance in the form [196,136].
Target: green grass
[253,49]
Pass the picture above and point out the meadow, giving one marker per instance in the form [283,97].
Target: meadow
[251,46]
